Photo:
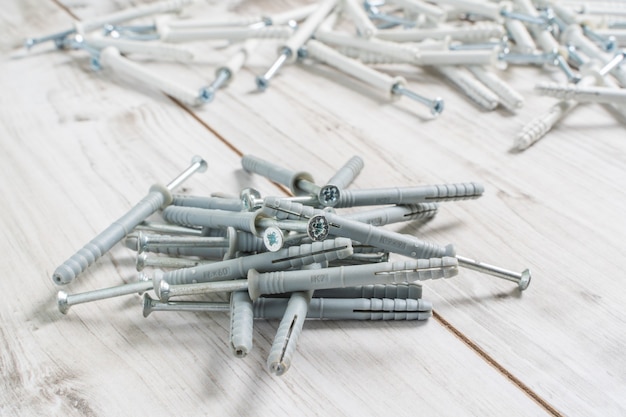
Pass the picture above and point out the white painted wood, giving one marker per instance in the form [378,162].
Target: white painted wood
[79,148]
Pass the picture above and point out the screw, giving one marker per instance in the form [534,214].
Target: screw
[237,241]
[263,81]
[143,260]
[58,39]
[103,242]
[208,93]
[575,57]
[522,279]
[251,199]
[329,194]
[574,35]
[290,49]
[608,43]
[273,238]
[524,17]
[197,165]
[78,42]
[274,231]
[146,242]
[150,305]
[562,63]
[166,290]
[364,233]
[134,32]
[65,300]
[436,105]
[318,227]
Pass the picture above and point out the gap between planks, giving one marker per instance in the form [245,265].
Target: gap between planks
[500,368]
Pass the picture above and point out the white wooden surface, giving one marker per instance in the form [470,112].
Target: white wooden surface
[80,148]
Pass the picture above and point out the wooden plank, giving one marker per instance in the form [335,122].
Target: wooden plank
[556,208]
[79,150]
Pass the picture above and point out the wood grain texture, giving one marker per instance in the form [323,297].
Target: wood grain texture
[79,148]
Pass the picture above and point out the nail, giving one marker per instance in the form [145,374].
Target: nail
[58,39]
[263,81]
[150,305]
[143,260]
[65,300]
[166,291]
[103,242]
[522,279]
[436,105]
